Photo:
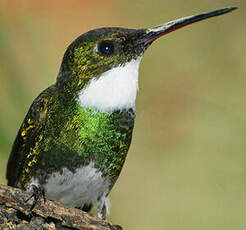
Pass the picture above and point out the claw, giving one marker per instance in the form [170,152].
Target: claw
[37,193]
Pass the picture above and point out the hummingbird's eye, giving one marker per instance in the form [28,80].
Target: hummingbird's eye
[106,48]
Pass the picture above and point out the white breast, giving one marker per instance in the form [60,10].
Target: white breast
[85,186]
[114,89]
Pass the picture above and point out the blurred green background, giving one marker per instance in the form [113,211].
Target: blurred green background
[186,168]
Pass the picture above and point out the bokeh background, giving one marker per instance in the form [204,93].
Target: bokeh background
[186,168]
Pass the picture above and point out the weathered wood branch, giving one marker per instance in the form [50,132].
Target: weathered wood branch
[15,213]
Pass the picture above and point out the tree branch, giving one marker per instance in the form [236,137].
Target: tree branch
[15,212]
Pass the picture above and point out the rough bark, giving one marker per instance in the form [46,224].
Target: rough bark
[15,214]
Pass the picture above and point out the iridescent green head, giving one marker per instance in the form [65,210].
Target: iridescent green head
[100,50]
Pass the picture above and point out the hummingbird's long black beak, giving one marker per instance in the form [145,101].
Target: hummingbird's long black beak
[158,31]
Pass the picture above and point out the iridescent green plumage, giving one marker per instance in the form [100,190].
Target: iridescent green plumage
[61,135]
[58,130]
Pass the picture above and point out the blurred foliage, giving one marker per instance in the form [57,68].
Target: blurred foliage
[186,167]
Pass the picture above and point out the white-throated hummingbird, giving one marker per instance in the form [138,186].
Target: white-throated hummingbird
[76,135]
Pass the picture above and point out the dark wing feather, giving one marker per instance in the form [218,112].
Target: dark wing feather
[27,136]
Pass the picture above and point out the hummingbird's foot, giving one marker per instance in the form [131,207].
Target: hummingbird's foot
[103,207]
[37,194]
[103,212]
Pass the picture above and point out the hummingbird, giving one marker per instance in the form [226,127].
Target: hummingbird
[76,135]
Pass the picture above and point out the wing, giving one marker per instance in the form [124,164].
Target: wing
[29,133]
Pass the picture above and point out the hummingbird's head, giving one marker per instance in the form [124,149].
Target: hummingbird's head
[101,66]
[100,50]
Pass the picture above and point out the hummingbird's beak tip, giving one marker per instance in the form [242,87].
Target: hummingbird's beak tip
[233,8]
[228,9]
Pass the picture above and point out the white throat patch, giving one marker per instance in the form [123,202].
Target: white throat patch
[115,89]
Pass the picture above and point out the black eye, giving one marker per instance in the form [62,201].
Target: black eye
[106,48]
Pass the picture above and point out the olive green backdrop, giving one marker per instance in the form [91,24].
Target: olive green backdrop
[186,168]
